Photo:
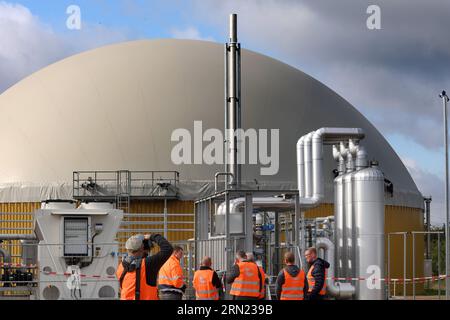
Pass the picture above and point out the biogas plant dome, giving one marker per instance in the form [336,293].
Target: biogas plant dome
[122,107]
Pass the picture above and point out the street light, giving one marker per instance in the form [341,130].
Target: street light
[445,99]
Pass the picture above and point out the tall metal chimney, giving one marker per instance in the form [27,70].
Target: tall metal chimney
[233,105]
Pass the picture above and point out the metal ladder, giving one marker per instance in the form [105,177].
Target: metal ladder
[123,190]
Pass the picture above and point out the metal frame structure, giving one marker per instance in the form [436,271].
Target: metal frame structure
[204,210]
[122,186]
[413,252]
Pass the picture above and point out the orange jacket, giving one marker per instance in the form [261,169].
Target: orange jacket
[170,276]
[204,288]
[262,293]
[292,289]
[128,285]
[247,284]
[312,281]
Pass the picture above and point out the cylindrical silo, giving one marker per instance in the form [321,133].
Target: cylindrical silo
[368,209]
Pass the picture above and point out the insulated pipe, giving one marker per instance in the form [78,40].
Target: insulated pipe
[9,237]
[313,182]
[307,155]
[339,290]
[301,167]
[236,205]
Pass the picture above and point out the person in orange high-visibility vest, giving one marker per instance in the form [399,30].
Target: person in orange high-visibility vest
[290,284]
[251,257]
[245,279]
[206,281]
[170,279]
[137,272]
[317,275]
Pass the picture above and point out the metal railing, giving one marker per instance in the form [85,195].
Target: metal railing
[138,184]
[413,281]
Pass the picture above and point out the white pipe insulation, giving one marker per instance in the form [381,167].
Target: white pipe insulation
[337,289]
[310,161]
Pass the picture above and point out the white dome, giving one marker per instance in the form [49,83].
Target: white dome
[116,107]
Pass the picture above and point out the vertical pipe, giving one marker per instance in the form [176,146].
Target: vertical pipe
[226,143]
[165,219]
[445,99]
[439,264]
[404,266]
[233,102]
[227,236]
[428,221]
[248,222]
[414,264]
[276,244]
[389,267]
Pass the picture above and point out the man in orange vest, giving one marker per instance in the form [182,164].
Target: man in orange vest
[290,284]
[245,279]
[137,273]
[262,294]
[317,275]
[170,280]
[206,281]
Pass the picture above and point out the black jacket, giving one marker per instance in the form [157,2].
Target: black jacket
[318,273]
[155,262]
[215,280]
[293,270]
[234,273]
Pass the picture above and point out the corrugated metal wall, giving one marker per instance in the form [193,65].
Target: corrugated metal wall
[16,224]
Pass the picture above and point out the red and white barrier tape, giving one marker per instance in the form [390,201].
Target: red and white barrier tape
[68,274]
[392,279]
[18,265]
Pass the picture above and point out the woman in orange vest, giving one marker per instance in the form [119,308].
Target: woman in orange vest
[170,279]
[290,284]
[137,273]
[246,279]
[206,281]
[317,275]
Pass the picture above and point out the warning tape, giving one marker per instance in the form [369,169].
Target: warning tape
[399,280]
[18,265]
[68,274]
[392,279]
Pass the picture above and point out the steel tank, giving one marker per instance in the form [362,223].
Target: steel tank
[368,213]
[349,230]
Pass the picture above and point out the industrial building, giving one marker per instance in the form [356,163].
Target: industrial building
[97,127]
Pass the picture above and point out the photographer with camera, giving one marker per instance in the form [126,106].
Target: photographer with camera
[138,271]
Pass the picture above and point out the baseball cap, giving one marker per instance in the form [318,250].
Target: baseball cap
[135,242]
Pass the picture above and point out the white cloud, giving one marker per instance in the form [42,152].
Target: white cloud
[27,44]
[189,33]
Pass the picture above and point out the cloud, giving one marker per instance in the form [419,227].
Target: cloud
[398,70]
[27,44]
[430,184]
[189,33]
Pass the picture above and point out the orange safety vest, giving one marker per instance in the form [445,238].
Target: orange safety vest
[292,289]
[312,281]
[171,273]
[204,288]
[128,285]
[247,284]
[262,293]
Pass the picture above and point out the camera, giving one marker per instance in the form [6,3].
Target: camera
[148,244]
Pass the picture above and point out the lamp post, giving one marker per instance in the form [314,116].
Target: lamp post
[445,100]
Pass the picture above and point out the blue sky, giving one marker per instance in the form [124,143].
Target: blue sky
[392,75]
